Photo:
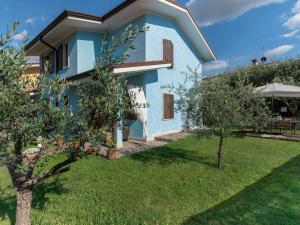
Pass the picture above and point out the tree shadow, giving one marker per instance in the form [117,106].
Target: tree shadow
[166,155]
[8,202]
[272,200]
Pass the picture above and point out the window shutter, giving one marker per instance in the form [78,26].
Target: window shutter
[168,51]
[168,104]
[66,55]
[60,58]
[52,62]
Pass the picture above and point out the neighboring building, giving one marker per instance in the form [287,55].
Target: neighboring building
[31,75]
[173,42]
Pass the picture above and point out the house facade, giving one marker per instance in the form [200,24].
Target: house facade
[72,43]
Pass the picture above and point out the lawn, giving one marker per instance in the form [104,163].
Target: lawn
[174,184]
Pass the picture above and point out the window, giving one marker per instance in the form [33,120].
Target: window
[63,56]
[65,100]
[48,63]
[168,51]
[57,102]
[168,106]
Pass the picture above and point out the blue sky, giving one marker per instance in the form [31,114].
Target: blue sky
[238,30]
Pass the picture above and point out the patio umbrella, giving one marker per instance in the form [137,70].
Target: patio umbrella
[279,90]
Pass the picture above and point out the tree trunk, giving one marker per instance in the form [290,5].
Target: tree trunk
[23,214]
[220,152]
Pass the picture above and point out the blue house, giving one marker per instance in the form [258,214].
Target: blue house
[72,42]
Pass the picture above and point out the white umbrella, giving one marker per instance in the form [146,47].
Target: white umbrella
[279,90]
[139,102]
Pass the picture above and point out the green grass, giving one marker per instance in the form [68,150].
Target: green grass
[176,184]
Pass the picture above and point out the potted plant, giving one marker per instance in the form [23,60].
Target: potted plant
[112,152]
[60,141]
[76,144]
[31,153]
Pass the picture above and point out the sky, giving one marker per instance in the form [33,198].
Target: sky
[237,30]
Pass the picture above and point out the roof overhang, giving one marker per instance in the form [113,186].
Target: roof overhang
[69,22]
[129,68]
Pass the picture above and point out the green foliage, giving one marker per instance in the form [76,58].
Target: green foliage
[230,104]
[221,102]
[27,118]
[104,99]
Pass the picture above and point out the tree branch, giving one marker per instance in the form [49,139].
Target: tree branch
[57,169]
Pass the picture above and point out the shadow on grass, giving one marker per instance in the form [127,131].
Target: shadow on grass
[272,200]
[166,155]
[8,204]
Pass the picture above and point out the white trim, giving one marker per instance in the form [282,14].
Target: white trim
[84,20]
[141,68]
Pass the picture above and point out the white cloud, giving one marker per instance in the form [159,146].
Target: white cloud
[296,8]
[279,50]
[293,22]
[209,12]
[30,21]
[290,34]
[215,65]
[20,36]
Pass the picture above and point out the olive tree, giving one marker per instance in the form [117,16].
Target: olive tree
[222,104]
[32,118]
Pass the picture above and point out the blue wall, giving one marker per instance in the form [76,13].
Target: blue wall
[184,55]
[88,49]
[138,54]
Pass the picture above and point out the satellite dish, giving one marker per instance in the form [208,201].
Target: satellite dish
[263,59]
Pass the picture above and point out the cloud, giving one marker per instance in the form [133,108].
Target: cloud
[293,22]
[290,34]
[279,50]
[20,36]
[209,12]
[296,8]
[30,21]
[215,65]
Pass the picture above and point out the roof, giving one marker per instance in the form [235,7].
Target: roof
[70,21]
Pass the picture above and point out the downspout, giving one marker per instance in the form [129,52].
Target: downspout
[56,52]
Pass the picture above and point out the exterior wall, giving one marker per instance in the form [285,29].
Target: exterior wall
[88,49]
[161,28]
[72,69]
[84,47]
[138,54]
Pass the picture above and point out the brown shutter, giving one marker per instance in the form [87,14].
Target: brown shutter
[60,57]
[168,104]
[52,62]
[66,55]
[168,51]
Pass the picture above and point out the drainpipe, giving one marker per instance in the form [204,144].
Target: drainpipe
[53,48]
